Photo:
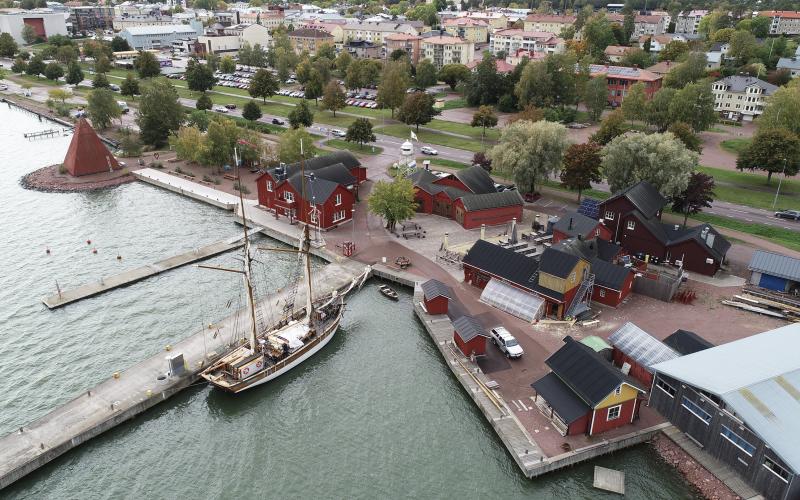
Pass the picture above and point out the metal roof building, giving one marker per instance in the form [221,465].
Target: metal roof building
[774,271]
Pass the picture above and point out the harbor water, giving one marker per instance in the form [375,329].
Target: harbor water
[376,414]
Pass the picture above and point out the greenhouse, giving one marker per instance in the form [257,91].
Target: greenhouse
[512,300]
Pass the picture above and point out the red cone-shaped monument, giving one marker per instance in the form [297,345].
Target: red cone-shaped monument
[87,154]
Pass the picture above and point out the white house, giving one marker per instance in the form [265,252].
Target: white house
[741,97]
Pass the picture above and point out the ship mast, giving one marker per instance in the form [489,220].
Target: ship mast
[248,271]
[306,244]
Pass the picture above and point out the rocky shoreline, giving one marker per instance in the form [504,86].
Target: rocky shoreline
[49,180]
[695,474]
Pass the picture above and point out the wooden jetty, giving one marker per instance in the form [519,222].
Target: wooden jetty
[133,275]
[609,480]
[44,133]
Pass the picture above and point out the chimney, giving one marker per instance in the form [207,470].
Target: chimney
[483,231]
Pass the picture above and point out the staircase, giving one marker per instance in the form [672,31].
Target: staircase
[582,299]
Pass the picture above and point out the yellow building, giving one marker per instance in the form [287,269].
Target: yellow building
[473,30]
[548,22]
[309,40]
[442,50]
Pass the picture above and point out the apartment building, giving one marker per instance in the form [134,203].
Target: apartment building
[549,23]
[374,32]
[309,40]
[474,30]
[655,24]
[688,22]
[408,43]
[91,18]
[510,41]
[783,22]
[442,50]
[741,97]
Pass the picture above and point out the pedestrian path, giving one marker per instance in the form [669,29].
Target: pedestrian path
[190,188]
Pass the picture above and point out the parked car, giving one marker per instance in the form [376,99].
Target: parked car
[788,214]
[230,106]
[427,150]
[123,106]
[506,342]
[338,133]
[114,87]
[220,109]
[277,121]
[3,87]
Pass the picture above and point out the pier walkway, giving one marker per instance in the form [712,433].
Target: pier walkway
[139,387]
[190,188]
[133,275]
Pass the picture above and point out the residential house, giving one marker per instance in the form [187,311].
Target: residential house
[688,21]
[615,53]
[510,41]
[790,64]
[634,217]
[470,336]
[740,403]
[514,58]
[502,66]
[741,97]
[584,393]
[436,297]
[783,22]
[309,40]
[548,22]
[362,49]
[468,196]
[713,60]
[685,342]
[658,42]
[775,271]
[636,351]
[661,68]
[467,28]
[442,50]
[620,79]
[411,44]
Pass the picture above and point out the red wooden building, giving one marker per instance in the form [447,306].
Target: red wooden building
[634,217]
[436,296]
[86,154]
[620,79]
[330,186]
[639,351]
[574,224]
[584,393]
[470,336]
[468,196]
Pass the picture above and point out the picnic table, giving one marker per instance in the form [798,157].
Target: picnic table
[402,262]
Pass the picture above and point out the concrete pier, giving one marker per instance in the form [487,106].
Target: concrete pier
[133,275]
[136,389]
[192,189]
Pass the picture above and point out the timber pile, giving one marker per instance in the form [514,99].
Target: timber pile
[767,304]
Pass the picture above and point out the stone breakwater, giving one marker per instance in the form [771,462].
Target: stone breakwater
[709,486]
[48,179]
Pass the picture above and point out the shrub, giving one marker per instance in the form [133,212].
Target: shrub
[216,181]
[207,178]
[241,187]
[62,169]
[506,104]
[178,170]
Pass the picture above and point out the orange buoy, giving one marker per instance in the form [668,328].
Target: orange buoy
[88,242]
[94,250]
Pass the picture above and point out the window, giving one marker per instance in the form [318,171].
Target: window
[338,199]
[666,388]
[776,469]
[288,196]
[602,292]
[696,410]
[337,216]
[631,225]
[614,413]
[269,186]
[618,390]
[597,232]
[737,440]
[609,215]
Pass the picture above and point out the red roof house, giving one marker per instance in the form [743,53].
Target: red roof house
[86,154]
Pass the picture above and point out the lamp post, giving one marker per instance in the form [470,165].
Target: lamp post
[780,180]
[353,239]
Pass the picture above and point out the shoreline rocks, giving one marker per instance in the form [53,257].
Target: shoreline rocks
[49,180]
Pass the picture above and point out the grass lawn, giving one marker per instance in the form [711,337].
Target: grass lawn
[752,189]
[735,146]
[463,129]
[455,103]
[784,237]
[430,137]
[590,193]
[442,162]
[33,80]
[353,147]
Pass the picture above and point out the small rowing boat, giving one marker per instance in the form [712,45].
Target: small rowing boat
[387,291]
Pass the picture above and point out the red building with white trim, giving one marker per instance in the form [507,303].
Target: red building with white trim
[620,79]
[470,336]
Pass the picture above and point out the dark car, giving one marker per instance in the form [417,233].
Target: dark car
[788,214]
[277,121]
[230,106]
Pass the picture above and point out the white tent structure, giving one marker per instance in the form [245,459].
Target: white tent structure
[512,300]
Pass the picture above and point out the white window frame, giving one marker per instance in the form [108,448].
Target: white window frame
[730,440]
[269,186]
[602,292]
[288,196]
[609,215]
[700,417]
[660,382]
[630,225]
[617,409]
[338,199]
[774,464]
[339,216]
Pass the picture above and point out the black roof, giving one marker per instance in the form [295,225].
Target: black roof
[644,196]
[609,275]
[587,373]
[317,188]
[468,328]
[606,250]
[337,173]
[574,224]
[557,263]
[669,235]
[558,395]
[435,288]
[474,202]
[476,179]
[502,262]
[589,249]
[686,342]
[346,158]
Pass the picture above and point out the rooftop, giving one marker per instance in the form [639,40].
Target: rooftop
[775,264]
[641,346]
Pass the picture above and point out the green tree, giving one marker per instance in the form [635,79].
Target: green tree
[289,145]
[334,97]
[119,44]
[74,74]
[393,201]
[199,77]
[199,119]
[314,86]
[530,151]
[535,86]
[425,13]
[743,47]
[342,62]
[483,118]
[303,70]
[394,83]
[301,115]
[782,110]
[684,133]
[129,86]
[581,167]
[29,34]
[204,102]
[263,85]
[426,74]
[657,112]
[102,64]
[628,25]
[8,47]
[694,105]
[659,159]
[636,58]
[759,26]
[66,54]
[360,132]
[129,143]
[326,51]
[453,74]
[19,66]
[59,95]
[220,141]
[102,107]
[251,111]
[100,81]
[35,65]
[228,65]
[612,126]
[673,51]
[484,85]
[160,112]
[353,77]
[189,144]
[598,34]
[212,61]
[691,70]
[634,106]
[596,97]
[53,71]
[699,194]
[417,109]
[146,65]
[724,35]
[772,151]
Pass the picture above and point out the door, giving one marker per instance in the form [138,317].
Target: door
[441,207]
[460,215]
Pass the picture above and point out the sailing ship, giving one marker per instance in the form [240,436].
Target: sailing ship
[297,335]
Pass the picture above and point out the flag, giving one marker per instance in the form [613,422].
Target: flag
[414,136]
